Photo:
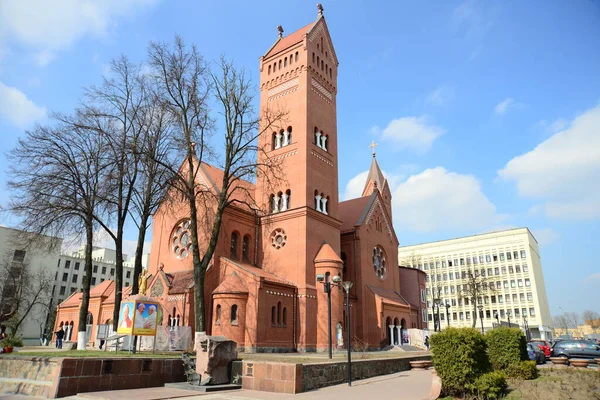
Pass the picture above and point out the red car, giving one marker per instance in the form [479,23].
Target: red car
[544,345]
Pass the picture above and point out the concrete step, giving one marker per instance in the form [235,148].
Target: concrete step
[29,387]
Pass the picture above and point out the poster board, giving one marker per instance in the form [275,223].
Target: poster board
[138,317]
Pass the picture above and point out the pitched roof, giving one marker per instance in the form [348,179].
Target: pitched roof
[326,253]
[288,41]
[243,190]
[104,289]
[353,212]
[376,176]
[258,272]
[389,296]
[180,281]
[231,284]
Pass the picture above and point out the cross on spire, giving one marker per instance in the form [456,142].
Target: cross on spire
[280,31]
[320,8]
[372,146]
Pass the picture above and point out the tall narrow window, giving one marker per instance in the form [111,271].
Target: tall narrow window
[278,313]
[273,315]
[218,316]
[296,59]
[234,309]
[246,249]
[233,252]
[284,317]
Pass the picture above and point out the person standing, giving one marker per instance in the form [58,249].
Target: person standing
[427,342]
[60,334]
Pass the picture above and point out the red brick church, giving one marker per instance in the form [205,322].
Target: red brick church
[261,288]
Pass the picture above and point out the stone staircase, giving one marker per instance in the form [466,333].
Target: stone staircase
[32,376]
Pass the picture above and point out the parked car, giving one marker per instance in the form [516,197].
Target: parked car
[576,349]
[535,353]
[544,345]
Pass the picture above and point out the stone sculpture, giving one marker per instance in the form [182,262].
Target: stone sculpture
[214,355]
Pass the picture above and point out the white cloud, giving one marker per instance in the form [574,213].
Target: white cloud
[46,27]
[412,133]
[355,186]
[545,236]
[441,95]
[439,200]
[16,108]
[507,104]
[563,170]
[592,279]
[44,57]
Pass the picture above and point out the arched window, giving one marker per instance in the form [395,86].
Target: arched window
[313,57]
[233,250]
[284,317]
[322,65]
[288,136]
[246,248]
[285,62]
[234,315]
[326,68]
[278,313]
[273,316]
[296,57]
[269,70]
[279,64]
[318,61]
[318,47]
[291,59]
[218,316]
[317,201]
[330,73]
[288,199]
[321,45]
[178,319]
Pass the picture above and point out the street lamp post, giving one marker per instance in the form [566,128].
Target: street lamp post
[508,315]
[448,312]
[526,327]
[480,307]
[327,285]
[347,285]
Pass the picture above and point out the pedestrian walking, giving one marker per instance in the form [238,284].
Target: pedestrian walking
[60,334]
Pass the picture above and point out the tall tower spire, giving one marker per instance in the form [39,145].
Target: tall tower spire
[376,181]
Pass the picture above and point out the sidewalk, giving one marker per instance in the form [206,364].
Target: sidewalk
[408,385]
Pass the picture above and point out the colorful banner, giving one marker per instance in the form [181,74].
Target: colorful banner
[126,318]
[146,315]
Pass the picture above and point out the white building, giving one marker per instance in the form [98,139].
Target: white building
[71,269]
[508,261]
[20,258]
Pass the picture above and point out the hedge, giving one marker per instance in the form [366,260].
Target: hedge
[459,356]
[506,346]
[524,370]
[491,385]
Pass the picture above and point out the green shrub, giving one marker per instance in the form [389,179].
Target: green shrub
[12,341]
[459,357]
[524,370]
[491,385]
[506,346]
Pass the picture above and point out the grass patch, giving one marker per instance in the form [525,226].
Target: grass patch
[558,384]
[93,354]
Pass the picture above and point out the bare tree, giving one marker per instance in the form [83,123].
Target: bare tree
[573,319]
[154,175]
[413,260]
[591,318]
[560,321]
[185,85]
[55,181]
[475,286]
[113,110]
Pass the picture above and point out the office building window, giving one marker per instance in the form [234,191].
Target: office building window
[461,315]
[480,259]
[532,312]
[74,279]
[525,269]
[517,313]
[468,315]
[502,313]
[476,273]
[95,269]
[101,280]
[446,290]
[443,263]
[488,258]
[529,296]
[503,270]
[516,255]
[452,289]
[67,263]
[462,261]
[73,289]
[523,254]
[93,280]
[112,271]
[429,318]
[517,269]
[512,284]
[511,269]
[65,277]
[486,300]
[468,260]
[437,264]
[507,297]
[501,299]
[490,272]
[495,257]
[508,257]
[521,296]
[128,274]
[505,284]
[62,290]
[496,271]
[520,282]
[77,266]
[524,311]
[474,260]
[498,284]
[493,299]
[445,277]
[103,270]
[502,257]
[514,298]
[527,282]
[439,277]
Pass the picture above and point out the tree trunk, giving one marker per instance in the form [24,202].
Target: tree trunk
[118,277]
[474,313]
[85,300]
[139,249]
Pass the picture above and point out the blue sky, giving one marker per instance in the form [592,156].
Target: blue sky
[487,114]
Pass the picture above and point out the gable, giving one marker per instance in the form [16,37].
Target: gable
[318,31]
[378,217]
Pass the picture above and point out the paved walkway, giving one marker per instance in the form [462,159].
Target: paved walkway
[407,385]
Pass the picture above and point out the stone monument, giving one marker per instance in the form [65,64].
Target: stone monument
[214,355]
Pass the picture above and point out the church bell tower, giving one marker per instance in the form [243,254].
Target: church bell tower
[298,76]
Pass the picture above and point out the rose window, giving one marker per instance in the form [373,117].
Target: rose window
[379,262]
[181,240]
[278,238]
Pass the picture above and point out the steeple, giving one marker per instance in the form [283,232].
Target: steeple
[376,181]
